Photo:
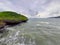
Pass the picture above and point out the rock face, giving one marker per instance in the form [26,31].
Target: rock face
[11,18]
[2,24]
[12,22]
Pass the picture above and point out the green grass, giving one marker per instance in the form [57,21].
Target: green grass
[9,15]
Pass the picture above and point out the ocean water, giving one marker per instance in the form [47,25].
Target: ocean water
[34,32]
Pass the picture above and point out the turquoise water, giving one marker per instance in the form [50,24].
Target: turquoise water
[34,32]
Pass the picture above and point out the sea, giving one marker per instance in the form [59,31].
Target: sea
[36,31]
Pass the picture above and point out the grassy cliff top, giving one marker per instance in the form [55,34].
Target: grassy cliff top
[9,15]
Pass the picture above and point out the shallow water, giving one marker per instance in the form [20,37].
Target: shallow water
[34,32]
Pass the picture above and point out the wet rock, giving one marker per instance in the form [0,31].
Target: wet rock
[13,22]
[2,24]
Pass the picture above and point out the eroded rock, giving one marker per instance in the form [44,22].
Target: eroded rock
[2,24]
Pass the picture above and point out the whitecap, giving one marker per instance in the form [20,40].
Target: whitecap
[10,28]
[44,22]
[17,33]
[37,24]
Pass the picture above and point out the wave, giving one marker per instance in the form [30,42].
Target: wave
[44,22]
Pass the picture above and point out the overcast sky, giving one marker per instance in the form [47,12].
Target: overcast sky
[32,8]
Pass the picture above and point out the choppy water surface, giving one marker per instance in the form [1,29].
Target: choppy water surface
[34,32]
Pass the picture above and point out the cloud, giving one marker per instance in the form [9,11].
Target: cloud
[32,8]
[4,6]
[53,9]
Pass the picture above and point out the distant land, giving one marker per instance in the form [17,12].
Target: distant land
[55,17]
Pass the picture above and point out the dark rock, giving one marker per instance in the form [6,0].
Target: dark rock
[12,22]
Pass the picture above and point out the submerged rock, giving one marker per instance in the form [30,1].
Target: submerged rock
[11,18]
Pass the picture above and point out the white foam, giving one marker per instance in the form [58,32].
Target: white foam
[2,39]
[37,24]
[45,22]
[17,33]
[10,28]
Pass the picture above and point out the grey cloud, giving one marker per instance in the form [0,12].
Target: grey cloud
[31,7]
